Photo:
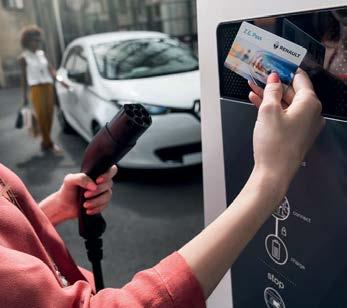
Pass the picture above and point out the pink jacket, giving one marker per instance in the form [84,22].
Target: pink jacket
[34,262]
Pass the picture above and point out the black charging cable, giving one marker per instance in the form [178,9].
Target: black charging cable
[108,147]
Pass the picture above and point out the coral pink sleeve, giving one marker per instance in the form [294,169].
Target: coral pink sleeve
[171,283]
[180,282]
[26,281]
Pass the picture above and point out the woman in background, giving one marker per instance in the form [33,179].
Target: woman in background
[38,77]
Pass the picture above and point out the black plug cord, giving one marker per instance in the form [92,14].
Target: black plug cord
[109,146]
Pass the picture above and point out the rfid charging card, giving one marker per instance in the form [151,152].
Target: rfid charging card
[256,53]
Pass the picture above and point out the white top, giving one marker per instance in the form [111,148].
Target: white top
[37,67]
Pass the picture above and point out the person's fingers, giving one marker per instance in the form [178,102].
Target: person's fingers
[107,175]
[98,201]
[99,190]
[301,81]
[97,210]
[288,94]
[305,101]
[256,89]
[305,105]
[255,99]
[80,179]
[273,91]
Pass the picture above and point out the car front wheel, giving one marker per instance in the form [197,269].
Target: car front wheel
[65,126]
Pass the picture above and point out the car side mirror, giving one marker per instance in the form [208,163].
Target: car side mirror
[80,77]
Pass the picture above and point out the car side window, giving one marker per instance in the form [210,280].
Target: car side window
[76,65]
[70,61]
[81,64]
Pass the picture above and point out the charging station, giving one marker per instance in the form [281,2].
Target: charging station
[299,257]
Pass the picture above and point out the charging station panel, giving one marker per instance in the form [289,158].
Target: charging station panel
[297,259]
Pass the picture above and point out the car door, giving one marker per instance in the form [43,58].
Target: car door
[80,80]
[66,96]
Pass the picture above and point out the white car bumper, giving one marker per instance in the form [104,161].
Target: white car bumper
[173,140]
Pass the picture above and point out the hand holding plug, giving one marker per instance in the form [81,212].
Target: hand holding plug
[98,195]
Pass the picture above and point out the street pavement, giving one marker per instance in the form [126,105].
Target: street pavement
[152,213]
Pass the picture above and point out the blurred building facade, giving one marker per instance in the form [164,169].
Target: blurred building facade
[14,15]
[65,20]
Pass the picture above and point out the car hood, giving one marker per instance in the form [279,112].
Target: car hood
[174,90]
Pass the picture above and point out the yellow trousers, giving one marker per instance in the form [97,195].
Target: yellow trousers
[42,98]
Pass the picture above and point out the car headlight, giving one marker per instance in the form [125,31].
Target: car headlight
[156,110]
[152,109]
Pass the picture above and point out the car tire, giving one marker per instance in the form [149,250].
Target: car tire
[65,126]
[95,127]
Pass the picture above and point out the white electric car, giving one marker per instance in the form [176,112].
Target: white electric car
[106,71]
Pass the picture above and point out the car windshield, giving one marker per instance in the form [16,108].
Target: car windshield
[142,58]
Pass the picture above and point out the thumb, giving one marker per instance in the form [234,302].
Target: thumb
[81,180]
[273,91]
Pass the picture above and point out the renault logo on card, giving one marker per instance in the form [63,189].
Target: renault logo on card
[286,50]
[291,52]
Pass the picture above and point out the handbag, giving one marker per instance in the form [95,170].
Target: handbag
[26,119]
[19,120]
[19,123]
